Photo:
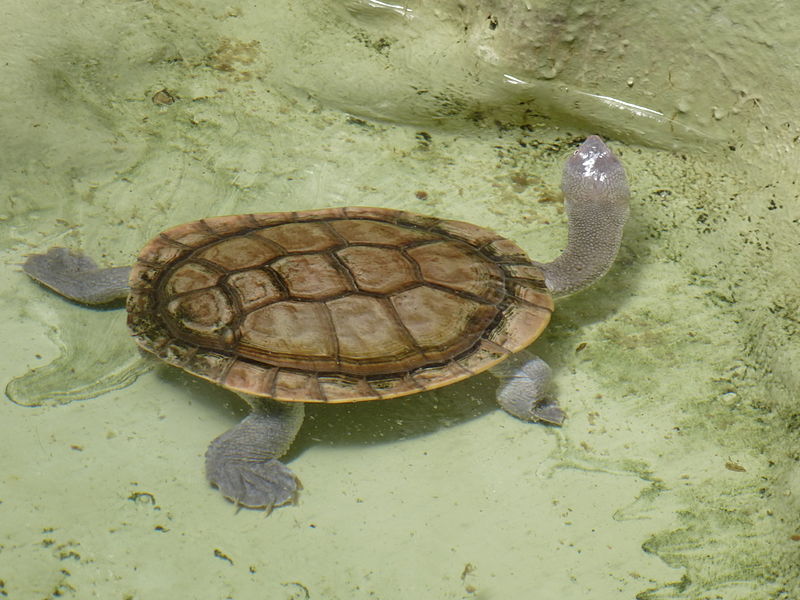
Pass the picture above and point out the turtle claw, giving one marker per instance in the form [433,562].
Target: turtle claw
[251,484]
[547,411]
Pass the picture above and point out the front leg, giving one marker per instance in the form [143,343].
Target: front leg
[525,390]
[243,462]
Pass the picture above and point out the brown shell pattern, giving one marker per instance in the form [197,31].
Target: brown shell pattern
[334,305]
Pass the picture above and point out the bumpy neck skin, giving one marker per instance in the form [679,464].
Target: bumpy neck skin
[596,199]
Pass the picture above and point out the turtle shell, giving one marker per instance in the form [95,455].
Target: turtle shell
[334,305]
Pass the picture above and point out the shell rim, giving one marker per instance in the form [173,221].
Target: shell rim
[457,372]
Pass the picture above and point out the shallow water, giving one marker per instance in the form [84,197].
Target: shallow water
[675,475]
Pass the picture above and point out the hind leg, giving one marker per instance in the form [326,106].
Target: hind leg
[77,277]
[243,462]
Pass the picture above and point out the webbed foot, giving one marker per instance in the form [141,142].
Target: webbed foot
[525,391]
[253,484]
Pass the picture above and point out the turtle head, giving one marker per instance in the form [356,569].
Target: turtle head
[594,175]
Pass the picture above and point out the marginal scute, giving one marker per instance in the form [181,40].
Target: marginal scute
[526,272]
[424,376]
[224,227]
[534,293]
[213,364]
[143,276]
[160,250]
[250,378]
[140,304]
[505,250]
[393,386]
[337,387]
[334,305]
[297,386]
[188,235]
[517,326]
[485,355]
[472,234]
[175,351]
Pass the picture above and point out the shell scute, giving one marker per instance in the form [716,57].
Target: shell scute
[301,237]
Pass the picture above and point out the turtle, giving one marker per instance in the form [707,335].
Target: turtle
[345,305]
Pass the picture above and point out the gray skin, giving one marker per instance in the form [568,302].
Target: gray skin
[243,462]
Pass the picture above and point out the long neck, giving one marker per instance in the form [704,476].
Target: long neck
[592,247]
[596,199]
